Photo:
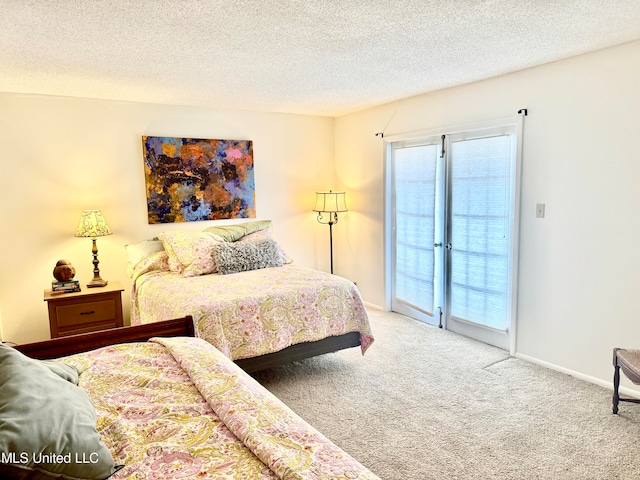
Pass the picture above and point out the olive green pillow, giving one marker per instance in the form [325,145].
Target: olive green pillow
[47,423]
[231,233]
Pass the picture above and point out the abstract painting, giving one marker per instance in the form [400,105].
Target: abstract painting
[192,179]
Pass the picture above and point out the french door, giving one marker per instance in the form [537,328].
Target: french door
[452,204]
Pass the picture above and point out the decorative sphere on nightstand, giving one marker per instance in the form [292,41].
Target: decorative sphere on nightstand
[64,271]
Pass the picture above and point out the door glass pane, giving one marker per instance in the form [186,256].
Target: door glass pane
[414,188]
[480,213]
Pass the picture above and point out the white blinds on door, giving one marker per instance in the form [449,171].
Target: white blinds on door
[480,230]
[415,193]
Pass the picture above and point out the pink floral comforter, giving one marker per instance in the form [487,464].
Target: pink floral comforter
[179,409]
[252,313]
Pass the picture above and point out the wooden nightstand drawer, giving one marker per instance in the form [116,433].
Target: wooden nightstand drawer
[90,310]
[84,313]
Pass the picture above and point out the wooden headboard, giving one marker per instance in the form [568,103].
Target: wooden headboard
[62,346]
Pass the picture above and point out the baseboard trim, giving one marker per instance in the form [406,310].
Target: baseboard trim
[372,306]
[581,376]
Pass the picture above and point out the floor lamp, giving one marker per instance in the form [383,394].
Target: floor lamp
[329,204]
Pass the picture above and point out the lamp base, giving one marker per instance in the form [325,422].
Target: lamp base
[97,282]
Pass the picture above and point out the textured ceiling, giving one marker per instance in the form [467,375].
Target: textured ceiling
[322,57]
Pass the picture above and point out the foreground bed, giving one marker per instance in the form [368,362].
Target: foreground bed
[252,315]
[176,407]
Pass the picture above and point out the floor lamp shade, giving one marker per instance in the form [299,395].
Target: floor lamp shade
[329,203]
[92,224]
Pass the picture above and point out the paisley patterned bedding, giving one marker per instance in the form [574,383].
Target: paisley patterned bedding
[177,408]
[252,313]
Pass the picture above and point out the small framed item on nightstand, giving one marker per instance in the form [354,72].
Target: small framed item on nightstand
[86,311]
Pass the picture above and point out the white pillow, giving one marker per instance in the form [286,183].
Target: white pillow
[139,251]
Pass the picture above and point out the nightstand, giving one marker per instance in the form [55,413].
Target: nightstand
[86,311]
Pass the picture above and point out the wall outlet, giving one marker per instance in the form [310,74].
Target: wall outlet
[539,210]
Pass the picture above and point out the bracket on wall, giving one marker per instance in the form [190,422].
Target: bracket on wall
[381,134]
[523,111]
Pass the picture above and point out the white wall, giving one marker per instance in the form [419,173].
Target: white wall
[579,266]
[61,155]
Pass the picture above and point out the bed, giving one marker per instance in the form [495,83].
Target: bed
[168,408]
[246,296]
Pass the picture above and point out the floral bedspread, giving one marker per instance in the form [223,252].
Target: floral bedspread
[252,313]
[177,408]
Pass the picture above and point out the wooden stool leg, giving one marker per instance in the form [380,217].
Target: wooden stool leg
[616,385]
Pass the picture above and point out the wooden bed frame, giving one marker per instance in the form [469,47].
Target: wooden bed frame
[68,345]
[180,327]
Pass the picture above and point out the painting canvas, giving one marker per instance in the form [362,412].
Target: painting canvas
[192,179]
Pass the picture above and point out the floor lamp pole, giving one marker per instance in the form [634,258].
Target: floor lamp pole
[331,244]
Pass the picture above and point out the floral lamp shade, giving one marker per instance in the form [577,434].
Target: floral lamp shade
[92,224]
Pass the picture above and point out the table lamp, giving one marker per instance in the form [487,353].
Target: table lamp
[92,224]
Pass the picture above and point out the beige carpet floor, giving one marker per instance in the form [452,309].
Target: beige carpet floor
[424,403]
